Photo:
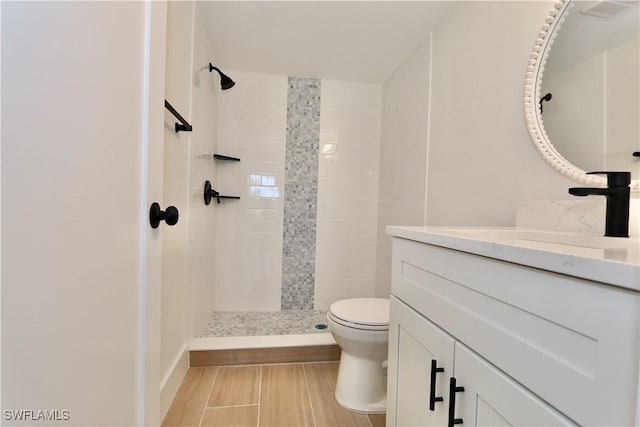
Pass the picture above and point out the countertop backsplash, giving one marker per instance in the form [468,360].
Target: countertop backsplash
[585,216]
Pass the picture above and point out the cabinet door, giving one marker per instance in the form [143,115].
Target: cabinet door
[414,343]
[490,398]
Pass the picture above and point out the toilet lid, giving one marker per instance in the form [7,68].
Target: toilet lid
[362,311]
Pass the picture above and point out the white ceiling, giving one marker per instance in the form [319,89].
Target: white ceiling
[361,41]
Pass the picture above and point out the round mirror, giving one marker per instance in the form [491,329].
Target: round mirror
[582,91]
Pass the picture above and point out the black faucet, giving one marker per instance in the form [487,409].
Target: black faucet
[617,194]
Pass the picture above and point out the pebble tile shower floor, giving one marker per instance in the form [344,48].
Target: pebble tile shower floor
[260,323]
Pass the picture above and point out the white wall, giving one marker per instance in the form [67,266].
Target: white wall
[347,191]
[403,155]
[188,247]
[481,161]
[251,126]
[72,138]
[174,327]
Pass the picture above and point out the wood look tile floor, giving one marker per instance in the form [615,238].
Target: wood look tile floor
[297,395]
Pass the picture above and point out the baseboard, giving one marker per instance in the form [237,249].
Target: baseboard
[253,356]
[172,380]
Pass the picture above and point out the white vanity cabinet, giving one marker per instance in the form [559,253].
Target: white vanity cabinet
[529,346]
[422,361]
[490,398]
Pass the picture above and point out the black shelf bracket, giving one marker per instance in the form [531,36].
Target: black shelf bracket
[223,157]
[183,125]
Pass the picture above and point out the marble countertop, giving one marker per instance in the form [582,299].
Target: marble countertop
[610,260]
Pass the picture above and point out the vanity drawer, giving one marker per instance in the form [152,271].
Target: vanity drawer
[571,341]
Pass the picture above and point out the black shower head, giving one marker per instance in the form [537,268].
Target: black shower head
[225,81]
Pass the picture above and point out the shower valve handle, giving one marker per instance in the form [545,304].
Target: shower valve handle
[210,193]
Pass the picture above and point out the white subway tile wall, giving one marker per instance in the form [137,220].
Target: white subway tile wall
[251,126]
[347,191]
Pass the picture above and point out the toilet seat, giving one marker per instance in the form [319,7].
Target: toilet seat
[370,314]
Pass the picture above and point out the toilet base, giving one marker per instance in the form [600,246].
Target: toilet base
[361,384]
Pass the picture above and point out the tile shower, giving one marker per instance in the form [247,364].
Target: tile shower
[303,234]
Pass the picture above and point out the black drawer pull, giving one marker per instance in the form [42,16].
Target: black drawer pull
[453,389]
[432,394]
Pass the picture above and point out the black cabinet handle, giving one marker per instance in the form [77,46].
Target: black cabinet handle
[432,395]
[453,389]
[170,215]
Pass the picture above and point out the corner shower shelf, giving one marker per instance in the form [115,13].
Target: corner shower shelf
[223,157]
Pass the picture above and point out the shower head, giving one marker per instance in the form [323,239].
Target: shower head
[225,81]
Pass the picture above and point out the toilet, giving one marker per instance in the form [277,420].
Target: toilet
[360,326]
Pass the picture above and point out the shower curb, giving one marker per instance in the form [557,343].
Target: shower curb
[258,356]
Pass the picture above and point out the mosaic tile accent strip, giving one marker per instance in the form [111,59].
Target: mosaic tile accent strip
[260,323]
[300,193]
